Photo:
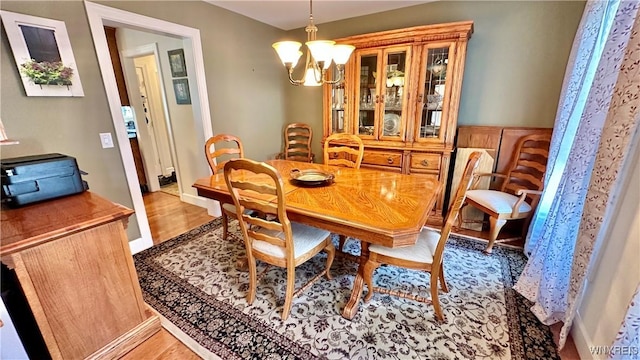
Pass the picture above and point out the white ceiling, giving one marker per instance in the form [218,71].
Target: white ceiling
[293,14]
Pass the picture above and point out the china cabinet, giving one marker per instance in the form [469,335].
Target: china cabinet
[401,95]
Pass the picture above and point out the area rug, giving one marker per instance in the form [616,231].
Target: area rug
[193,283]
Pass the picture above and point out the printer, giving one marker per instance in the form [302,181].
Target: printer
[35,178]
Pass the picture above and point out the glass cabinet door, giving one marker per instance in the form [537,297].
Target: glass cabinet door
[338,108]
[380,93]
[367,97]
[393,96]
[433,94]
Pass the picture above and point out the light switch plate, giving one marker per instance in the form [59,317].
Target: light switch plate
[106,140]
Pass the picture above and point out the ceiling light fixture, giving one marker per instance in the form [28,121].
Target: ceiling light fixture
[320,54]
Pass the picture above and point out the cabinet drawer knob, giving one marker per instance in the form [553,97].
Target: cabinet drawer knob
[424,162]
[390,160]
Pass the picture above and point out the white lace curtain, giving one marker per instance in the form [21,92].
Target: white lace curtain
[595,124]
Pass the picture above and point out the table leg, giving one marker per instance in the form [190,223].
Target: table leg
[351,308]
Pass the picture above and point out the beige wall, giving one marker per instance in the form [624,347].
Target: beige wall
[516,58]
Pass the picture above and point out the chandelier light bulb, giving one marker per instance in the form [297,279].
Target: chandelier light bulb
[311,77]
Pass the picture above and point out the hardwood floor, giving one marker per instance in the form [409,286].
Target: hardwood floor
[161,346]
[169,217]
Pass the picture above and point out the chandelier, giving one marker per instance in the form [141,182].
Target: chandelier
[320,54]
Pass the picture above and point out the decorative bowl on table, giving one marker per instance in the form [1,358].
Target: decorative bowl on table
[311,177]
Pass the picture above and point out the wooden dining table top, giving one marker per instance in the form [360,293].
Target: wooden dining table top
[374,206]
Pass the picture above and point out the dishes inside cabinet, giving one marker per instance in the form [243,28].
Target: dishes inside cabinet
[391,124]
[434,102]
[366,130]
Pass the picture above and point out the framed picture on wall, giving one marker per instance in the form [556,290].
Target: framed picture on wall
[176,61]
[43,55]
[181,88]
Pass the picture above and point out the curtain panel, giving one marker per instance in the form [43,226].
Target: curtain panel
[596,121]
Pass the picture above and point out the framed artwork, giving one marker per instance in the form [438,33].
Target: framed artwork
[176,61]
[181,88]
[43,55]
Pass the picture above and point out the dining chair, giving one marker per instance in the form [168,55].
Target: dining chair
[339,150]
[297,142]
[426,254]
[219,149]
[519,193]
[273,238]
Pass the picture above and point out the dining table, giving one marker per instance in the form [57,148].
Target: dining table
[372,206]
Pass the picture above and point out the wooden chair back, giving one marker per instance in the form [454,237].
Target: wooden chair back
[458,199]
[264,183]
[297,142]
[221,148]
[338,150]
[528,164]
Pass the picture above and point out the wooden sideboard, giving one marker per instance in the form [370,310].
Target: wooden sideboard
[72,259]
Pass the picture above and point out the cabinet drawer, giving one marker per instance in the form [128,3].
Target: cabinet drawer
[425,161]
[384,158]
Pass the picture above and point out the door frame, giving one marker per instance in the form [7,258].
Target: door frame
[99,16]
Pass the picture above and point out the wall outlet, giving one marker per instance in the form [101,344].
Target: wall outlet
[106,140]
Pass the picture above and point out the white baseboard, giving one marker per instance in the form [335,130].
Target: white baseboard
[581,338]
[212,206]
[138,245]
[194,200]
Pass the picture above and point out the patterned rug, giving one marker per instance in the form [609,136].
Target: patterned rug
[193,283]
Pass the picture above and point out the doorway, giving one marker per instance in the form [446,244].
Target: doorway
[99,16]
[143,76]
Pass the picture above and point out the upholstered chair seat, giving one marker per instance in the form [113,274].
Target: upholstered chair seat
[497,201]
[422,251]
[305,238]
